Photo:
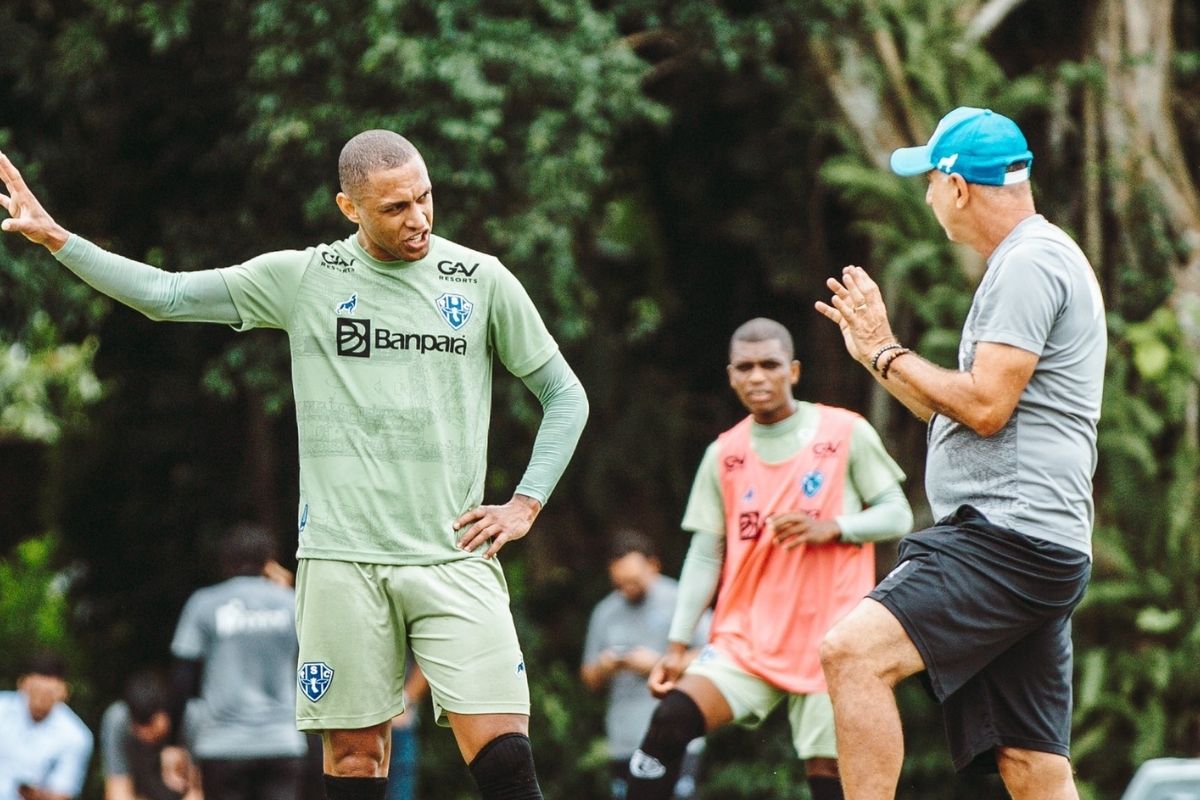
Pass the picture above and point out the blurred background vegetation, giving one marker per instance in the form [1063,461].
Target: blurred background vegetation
[655,172]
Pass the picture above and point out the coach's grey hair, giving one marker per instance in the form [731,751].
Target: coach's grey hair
[761,329]
[371,151]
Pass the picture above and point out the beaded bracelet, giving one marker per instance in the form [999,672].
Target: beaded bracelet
[888,364]
[881,351]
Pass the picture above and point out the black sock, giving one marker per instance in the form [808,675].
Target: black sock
[824,787]
[654,767]
[503,769]
[338,788]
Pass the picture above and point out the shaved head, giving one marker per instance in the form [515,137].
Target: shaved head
[761,329]
[370,152]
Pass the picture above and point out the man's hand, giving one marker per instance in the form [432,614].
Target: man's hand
[668,670]
[500,524]
[858,309]
[641,660]
[26,215]
[278,573]
[176,768]
[29,792]
[795,528]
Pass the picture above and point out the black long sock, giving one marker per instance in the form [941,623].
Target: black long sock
[654,767]
[824,787]
[338,788]
[503,769]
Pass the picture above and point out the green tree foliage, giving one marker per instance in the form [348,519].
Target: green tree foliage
[655,173]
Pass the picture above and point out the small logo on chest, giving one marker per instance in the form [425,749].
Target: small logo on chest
[347,306]
[455,309]
[811,483]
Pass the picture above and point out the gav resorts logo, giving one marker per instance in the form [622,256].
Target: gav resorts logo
[314,678]
[457,272]
[455,309]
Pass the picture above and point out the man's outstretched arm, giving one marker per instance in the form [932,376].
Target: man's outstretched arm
[184,296]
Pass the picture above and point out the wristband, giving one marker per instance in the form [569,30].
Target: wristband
[883,373]
[885,348]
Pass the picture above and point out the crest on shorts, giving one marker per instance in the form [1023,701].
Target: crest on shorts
[314,678]
[812,483]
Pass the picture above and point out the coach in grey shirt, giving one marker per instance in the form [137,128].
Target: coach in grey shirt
[982,602]
[235,646]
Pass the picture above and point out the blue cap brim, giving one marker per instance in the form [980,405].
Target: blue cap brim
[912,160]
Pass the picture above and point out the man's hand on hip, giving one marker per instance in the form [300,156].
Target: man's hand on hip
[500,524]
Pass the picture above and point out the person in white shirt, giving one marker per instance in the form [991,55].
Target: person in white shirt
[44,746]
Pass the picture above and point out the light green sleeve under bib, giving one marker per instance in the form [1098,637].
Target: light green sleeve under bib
[873,480]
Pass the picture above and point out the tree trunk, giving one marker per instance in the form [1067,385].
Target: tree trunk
[1133,42]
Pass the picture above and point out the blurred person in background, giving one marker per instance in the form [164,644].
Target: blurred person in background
[133,732]
[235,648]
[44,745]
[406,746]
[626,636]
[783,512]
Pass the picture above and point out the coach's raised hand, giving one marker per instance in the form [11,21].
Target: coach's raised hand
[857,308]
[26,215]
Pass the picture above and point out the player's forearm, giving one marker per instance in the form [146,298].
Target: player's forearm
[119,787]
[160,295]
[564,413]
[697,584]
[887,516]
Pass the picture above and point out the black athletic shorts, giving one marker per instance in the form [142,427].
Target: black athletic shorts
[989,610]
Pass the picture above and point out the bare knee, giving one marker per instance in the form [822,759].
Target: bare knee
[869,642]
[844,651]
[1032,774]
[821,767]
[836,650]
[360,753]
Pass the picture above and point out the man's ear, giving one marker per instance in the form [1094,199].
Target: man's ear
[962,190]
[796,371]
[346,205]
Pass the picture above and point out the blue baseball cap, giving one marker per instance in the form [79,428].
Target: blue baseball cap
[976,143]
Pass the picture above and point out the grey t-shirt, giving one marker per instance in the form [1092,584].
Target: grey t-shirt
[1035,475]
[617,624]
[244,630]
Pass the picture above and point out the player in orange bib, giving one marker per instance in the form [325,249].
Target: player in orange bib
[783,513]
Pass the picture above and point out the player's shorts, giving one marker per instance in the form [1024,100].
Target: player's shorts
[751,699]
[355,622]
[989,610]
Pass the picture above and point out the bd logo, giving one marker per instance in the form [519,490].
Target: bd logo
[354,337]
[314,678]
[750,525]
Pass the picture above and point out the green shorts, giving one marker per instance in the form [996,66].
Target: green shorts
[356,621]
[751,699]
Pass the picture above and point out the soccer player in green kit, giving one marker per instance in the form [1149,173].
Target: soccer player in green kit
[392,332]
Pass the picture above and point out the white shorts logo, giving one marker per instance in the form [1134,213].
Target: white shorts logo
[648,768]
